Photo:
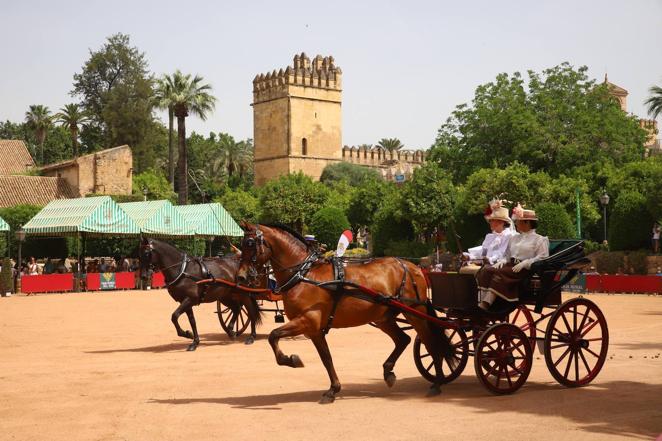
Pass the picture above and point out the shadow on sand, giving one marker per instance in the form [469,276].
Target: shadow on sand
[205,340]
[625,408]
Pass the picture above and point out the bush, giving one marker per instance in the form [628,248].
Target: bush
[327,225]
[554,222]
[607,262]
[630,222]
[407,248]
[6,279]
[387,228]
[357,253]
[638,262]
[592,247]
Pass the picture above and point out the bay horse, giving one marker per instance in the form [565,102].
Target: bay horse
[181,273]
[312,310]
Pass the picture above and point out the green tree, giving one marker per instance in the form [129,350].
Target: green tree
[654,102]
[554,221]
[630,222]
[389,224]
[155,183]
[354,174]
[292,199]
[557,121]
[429,199]
[39,119]
[115,88]
[236,157]
[327,224]
[71,116]
[367,199]
[390,144]
[189,96]
[241,205]
[340,195]
[163,98]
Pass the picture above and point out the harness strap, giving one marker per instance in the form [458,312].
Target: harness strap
[182,270]
[339,276]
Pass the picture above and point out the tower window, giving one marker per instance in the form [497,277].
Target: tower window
[304,146]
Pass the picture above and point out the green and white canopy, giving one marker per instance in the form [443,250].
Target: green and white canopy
[4,226]
[210,220]
[94,216]
[158,218]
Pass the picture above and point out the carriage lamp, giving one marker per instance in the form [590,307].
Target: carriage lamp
[279,318]
[604,201]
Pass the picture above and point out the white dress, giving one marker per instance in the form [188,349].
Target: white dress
[527,247]
[494,246]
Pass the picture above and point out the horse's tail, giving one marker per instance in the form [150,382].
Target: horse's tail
[439,335]
[254,312]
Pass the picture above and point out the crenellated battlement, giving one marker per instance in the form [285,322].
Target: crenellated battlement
[320,72]
[374,156]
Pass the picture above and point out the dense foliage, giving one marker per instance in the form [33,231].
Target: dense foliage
[327,224]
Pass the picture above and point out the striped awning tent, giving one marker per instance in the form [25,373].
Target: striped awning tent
[4,226]
[210,220]
[158,218]
[91,216]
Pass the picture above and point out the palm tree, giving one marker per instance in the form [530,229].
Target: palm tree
[39,119]
[72,116]
[163,100]
[236,156]
[189,96]
[654,103]
[390,144]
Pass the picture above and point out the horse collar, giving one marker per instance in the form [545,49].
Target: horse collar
[300,274]
[182,270]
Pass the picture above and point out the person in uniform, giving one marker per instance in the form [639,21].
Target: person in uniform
[494,246]
[503,278]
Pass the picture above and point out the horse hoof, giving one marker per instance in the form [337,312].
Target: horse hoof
[295,361]
[327,399]
[192,347]
[390,379]
[249,341]
[434,391]
[232,335]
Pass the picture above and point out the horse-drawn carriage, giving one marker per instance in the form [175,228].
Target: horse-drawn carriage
[235,320]
[573,335]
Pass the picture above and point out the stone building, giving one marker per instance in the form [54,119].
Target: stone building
[297,123]
[103,172]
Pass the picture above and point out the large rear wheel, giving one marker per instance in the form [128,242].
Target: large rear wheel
[576,342]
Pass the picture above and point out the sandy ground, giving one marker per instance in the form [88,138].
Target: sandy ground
[109,366]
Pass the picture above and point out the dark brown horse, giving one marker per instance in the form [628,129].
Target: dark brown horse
[182,271]
[308,307]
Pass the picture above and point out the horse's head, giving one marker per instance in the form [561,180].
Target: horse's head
[146,253]
[255,254]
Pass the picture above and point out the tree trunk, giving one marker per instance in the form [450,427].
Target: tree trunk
[74,140]
[171,148]
[41,138]
[182,166]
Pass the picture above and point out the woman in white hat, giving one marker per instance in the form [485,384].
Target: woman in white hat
[503,278]
[494,246]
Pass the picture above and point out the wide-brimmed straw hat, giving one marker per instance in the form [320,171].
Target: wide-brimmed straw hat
[519,213]
[496,211]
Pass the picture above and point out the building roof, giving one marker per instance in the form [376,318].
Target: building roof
[14,157]
[4,226]
[33,190]
[157,218]
[210,220]
[69,162]
[613,88]
[97,215]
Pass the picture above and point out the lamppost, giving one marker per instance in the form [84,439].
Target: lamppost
[211,240]
[145,191]
[20,237]
[604,200]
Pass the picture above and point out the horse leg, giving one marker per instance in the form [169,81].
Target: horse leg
[432,338]
[401,340]
[183,306]
[323,350]
[254,317]
[196,338]
[290,329]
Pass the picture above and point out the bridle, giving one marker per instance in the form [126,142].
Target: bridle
[148,248]
[257,245]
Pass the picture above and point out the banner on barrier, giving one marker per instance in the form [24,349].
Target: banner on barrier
[107,280]
[576,284]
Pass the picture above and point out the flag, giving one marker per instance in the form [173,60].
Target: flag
[345,238]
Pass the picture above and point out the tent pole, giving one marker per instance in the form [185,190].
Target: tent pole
[78,266]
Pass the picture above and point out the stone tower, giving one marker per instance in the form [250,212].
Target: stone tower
[297,122]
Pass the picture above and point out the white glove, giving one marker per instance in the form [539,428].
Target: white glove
[499,264]
[524,264]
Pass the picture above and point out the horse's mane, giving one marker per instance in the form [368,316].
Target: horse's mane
[289,230]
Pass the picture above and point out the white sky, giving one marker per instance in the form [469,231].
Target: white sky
[406,65]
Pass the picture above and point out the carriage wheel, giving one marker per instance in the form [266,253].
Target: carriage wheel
[226,314]
[523,319]
[425,365]
[576,342]
[503,358]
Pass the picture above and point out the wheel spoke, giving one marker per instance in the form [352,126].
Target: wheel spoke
[516,315]
[429,366]
[424,355]
[588,370]
[586,314]
[510,382]
[576,366]
[567,325]
[574,317]
[558,346]
[566,352]
[591,326]
[567,367]
[591,352]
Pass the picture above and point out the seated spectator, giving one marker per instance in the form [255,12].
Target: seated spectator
[49,268]
[33,268]
[125,266]
[103,266]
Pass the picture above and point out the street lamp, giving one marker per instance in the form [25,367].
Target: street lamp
[145,191]
[604,200]
[211,240]
[20,237]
